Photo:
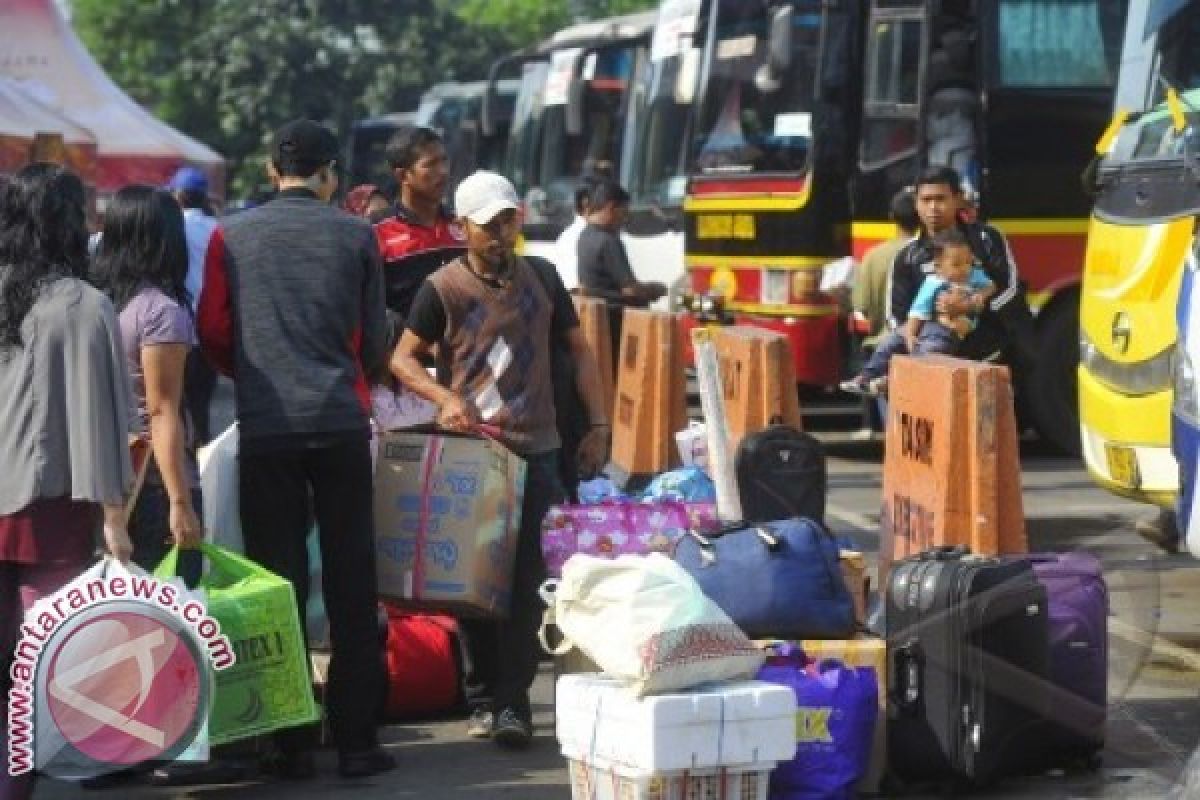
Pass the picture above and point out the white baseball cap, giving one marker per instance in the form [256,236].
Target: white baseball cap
[482,195]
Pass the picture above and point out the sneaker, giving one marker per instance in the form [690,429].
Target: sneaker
[512,731]
[878,387]
[217,771]
[366,763]
[481,723]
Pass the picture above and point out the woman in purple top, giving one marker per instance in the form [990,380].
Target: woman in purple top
[142,263]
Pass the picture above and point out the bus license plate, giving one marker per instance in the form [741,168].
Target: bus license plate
[775,287]
[1123,466]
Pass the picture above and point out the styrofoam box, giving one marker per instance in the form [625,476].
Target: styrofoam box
[738,783]
[600,722]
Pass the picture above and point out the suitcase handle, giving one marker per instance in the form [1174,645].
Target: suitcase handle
[906,679]
[947,552]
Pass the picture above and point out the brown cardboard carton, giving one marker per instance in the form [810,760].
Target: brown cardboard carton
[651,400]
[447,513]
[596,327]
[951,468]
[854,573]
[758,380]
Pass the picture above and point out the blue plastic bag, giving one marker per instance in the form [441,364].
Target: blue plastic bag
[689,484]
[599,490]
[835,724]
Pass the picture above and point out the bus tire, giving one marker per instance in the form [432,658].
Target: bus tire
[1053,393]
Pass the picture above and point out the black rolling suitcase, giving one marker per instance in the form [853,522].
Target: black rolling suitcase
[781,474]
[968,655]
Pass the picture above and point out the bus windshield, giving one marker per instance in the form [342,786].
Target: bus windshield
[1153,137]
[752,120]
[652,168]
[545,161]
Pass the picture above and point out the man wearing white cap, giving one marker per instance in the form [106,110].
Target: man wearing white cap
[492,319]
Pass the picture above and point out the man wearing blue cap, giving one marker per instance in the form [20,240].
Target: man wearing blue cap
[190,188]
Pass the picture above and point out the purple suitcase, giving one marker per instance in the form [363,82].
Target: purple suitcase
[1077,624]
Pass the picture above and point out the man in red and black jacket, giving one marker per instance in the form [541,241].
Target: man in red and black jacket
[292,309]
[413,235]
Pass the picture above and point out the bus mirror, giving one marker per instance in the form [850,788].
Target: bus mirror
[779,43]
[574,110]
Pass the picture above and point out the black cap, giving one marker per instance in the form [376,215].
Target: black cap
[302,146]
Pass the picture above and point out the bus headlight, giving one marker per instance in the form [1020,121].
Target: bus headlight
[1138,378]
[1185,402]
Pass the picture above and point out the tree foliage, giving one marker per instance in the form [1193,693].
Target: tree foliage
[229,71]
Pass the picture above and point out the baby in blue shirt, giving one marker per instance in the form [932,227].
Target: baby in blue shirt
[928,330]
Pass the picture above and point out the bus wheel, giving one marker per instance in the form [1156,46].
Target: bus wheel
[1053,394]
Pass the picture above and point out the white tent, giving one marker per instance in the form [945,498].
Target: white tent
[23,118]
[39,49]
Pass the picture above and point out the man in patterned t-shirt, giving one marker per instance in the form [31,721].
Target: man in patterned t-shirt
[491,318]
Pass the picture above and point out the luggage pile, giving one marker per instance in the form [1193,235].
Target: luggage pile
[986,662]
[672,605]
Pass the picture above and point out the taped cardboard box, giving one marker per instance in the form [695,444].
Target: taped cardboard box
[758,380]
[447,514]
[854,572]
[951,473]
[651,397]
[595,323]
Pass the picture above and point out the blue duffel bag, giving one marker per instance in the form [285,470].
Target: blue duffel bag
[775,580]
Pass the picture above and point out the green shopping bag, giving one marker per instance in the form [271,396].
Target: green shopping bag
[269,687]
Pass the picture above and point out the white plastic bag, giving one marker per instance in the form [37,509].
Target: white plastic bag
[645,621]
[219,485]
[693,445]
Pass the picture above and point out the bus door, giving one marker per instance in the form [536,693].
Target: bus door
[890,152]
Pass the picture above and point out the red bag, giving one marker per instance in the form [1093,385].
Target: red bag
[424,664]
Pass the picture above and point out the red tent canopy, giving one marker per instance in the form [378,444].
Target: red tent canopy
[23,117]
[39,49]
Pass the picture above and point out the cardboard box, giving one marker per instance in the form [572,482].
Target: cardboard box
[651,400]
[951,468]
[447,513]
[758,380]
[596,326]
[854,573]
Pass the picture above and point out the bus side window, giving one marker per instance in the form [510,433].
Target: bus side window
[892,96]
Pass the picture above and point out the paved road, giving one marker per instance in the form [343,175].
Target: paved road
[1155,664]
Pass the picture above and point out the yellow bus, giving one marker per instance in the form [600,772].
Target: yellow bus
[1140,234]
